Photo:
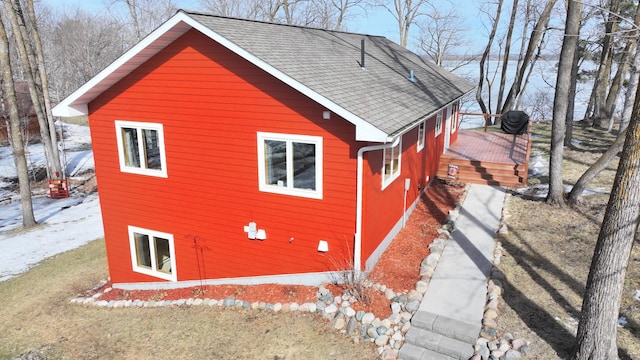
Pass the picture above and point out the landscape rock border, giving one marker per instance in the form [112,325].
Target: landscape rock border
[388,334]
[489,344]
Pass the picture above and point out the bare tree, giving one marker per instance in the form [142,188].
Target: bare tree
[73,60]
[326,14]
[507,50]
[575,196]
[599,92]
[563,87]
[42,73]
[534,42]
[144,15]
[32,74]
[405,12]
[596,338]
[495,20]
[13,130]
[442,34]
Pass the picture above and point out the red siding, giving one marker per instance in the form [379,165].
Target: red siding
[382,209]
[211,104]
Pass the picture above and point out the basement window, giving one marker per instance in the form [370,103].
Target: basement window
[290,164]
[391,164]
[141,148]
[152,253]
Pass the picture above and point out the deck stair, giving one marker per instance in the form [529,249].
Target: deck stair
[488,158]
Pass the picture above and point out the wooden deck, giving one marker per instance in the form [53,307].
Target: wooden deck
[487,158]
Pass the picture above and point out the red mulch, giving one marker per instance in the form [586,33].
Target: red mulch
[398,268]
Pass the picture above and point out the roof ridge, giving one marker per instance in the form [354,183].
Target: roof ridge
[192,12]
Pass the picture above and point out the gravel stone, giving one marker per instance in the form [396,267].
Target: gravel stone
[382,340]
[368,318]
[412,306]
[351,326]
[331,309]
[512,355]
[372,332]
[395,308]
[421,287]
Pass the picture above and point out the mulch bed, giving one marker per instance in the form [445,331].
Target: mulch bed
[398,268]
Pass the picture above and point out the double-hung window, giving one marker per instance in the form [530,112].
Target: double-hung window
[290,164]
[439,123]
[152,253]
[141,148]
[391,164]
[421,135]
[454,118]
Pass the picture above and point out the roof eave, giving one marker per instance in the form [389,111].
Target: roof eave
[76,104]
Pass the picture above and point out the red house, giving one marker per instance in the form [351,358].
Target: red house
[237,151]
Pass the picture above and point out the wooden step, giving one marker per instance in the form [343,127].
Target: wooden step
[507,175]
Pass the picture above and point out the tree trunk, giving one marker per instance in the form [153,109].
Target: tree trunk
[44,81]
[536,35]
[596,338]
[483,60]
[563,86]
[616,84]
[571,101]
[14,12]
[575,196]
[507,53]
[13,130]
[604,68]
[632,88]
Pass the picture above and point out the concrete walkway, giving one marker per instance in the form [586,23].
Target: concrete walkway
[448,322]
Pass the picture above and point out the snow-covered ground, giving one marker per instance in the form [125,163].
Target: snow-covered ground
[65,224]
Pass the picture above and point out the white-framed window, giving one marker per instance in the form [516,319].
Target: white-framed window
[141,148]
[421,135]
[290,164]
[454,118]
[439,123]
[152,253]
[391,161]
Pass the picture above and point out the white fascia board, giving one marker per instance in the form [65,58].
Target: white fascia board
[76,103]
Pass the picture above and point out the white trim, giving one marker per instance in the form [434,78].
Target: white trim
[307,279]
[454,117]
[142,170]
[421,137]
[439,120]
[357,241]
[76,103]
[394,175]
[154,266]
[289,139]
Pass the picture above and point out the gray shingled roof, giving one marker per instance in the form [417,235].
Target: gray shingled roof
[328,62]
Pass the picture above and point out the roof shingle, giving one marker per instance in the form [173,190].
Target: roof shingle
[328,62]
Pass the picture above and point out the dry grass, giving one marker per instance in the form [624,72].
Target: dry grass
[548,251]
[37,316]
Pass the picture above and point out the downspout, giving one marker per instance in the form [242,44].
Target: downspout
[357,245]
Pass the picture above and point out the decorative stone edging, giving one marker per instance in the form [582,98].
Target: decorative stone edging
[489,345]
[387,334]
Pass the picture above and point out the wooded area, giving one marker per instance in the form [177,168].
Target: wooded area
[56,51]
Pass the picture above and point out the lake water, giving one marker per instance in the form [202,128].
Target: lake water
[538,96]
